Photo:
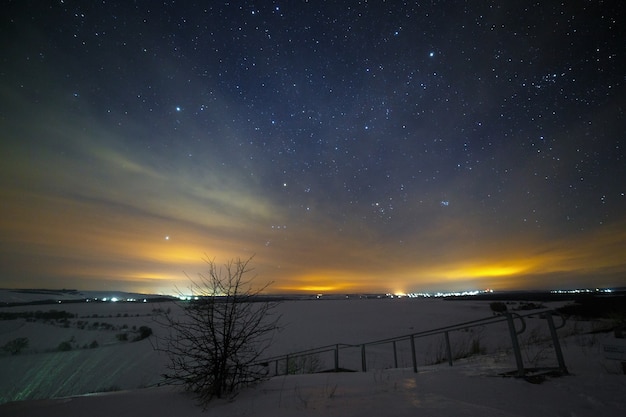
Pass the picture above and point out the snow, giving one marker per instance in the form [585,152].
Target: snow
[44,381]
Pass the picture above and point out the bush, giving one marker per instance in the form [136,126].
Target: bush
[122,337]
[15,346]
[498,307]
[215,344]
[144,332]
[307,364]
[64,346]
[529,306]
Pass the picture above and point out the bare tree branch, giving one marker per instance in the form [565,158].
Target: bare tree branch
[215,338]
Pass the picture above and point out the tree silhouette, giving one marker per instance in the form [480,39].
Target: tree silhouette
[217,336]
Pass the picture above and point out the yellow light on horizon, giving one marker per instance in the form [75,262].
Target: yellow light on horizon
[469,271]
[496,271]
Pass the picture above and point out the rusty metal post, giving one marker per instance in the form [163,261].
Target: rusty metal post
[448,348]
[515,342]
[413,354]
[395,355]
[556,343]
[363,359]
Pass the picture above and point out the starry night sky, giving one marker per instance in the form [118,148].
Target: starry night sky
[349,146]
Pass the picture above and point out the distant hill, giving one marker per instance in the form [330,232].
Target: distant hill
[16,297]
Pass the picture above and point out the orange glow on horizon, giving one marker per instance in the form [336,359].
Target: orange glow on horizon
[308,180]
[92,245]
[478,271]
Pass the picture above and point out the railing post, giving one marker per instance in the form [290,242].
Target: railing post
[276,368]
[556,343]
[413,354]
[516,348]
[395,355]
[510,318]
[448,348]
[363,359]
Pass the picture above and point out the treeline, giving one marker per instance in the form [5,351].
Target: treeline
[37,315]
[592,306]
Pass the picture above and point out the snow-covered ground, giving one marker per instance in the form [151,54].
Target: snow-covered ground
[42,380]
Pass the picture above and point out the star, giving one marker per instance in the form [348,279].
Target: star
[213,122]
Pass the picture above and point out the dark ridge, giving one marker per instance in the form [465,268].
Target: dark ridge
[45,291]
[597,306]
[538,296]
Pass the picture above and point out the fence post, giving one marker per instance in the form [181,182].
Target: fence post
[363,359]
[413,354]
[337,358]
[395,355]
[287,365]
[276,368]
[556,343]
[448,348]
[515,342]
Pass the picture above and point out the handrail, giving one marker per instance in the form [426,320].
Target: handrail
[508,316]
[430,332]
[319,349]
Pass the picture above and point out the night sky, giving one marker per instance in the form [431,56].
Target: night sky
[349,146]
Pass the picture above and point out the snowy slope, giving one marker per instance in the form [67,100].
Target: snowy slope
[471,387]
[443,391]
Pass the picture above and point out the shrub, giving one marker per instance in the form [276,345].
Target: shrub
[15,346]
[144,332]
[122,337]
[498,307]
[529,306]
[215,346]
[64,346]
[307,364]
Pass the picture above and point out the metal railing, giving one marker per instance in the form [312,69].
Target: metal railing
[508,317]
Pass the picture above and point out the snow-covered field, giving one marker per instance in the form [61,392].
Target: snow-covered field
[66,359]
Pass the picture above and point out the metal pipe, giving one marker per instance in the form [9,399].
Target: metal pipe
[413,354]
[363,359]
[395,355]
[516,348]
[448,348]
[556,343]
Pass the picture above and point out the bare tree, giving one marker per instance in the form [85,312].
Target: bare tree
[216,339]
